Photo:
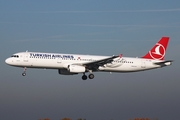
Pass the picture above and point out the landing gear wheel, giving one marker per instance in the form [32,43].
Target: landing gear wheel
[84,77]
[91,76]
[24,74]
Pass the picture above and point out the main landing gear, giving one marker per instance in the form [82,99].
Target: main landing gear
[24,73]
[84,77]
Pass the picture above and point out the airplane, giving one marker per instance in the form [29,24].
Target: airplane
[70,64]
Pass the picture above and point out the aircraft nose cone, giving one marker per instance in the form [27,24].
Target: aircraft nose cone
[7,61]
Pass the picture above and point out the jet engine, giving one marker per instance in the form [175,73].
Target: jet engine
[65,72]
[76,69]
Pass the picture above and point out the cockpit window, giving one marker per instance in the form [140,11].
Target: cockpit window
[17,56]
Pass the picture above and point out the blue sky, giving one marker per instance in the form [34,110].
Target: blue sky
[89,27]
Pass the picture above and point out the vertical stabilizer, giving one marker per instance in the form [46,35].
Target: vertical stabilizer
[159,50]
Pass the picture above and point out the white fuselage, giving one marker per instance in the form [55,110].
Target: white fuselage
[61,61]
[70,64]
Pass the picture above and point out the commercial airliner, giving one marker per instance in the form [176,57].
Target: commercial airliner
[70,64]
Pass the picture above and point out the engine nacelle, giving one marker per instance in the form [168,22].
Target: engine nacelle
[65,72]
[76,69]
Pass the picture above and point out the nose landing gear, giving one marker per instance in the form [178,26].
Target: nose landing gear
[24,73]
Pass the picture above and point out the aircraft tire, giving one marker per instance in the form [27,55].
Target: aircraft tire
[84,77]
[91,76]
[24,74]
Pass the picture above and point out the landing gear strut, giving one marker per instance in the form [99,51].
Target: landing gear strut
[24,73]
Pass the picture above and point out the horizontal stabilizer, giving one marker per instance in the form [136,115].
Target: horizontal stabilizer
[164,63]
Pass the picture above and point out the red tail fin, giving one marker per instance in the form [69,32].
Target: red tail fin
[159,50]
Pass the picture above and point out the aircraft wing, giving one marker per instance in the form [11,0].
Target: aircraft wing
[95,64]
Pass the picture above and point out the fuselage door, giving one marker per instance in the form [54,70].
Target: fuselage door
[143,64]
[26,57]
[59,60]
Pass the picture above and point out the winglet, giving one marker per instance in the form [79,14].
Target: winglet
[158,51]
[120,55]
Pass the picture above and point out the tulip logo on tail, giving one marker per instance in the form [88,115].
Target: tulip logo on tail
[158,52]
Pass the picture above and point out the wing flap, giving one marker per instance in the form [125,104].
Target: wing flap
[95,64]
